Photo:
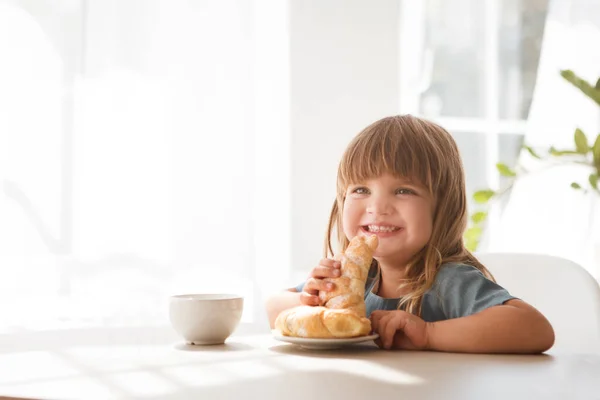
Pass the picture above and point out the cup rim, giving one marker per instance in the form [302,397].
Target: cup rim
[207,297]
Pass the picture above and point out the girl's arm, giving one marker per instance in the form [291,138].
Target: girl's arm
[279,302]
[514,327]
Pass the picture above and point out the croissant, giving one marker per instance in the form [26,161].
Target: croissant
[343,314]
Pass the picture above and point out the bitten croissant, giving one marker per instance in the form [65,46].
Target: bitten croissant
[343,313]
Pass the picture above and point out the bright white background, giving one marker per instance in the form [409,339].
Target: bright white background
[149,148]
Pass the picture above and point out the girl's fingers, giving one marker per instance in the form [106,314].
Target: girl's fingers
[376,318]
[381,327]
[314,286]
[328,262]
[389,332]
[323,271]
[309,299]
[316,282]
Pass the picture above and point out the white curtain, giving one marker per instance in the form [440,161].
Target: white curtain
[544,214]
[139,140]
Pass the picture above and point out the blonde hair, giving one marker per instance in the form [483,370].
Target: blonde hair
[420,150]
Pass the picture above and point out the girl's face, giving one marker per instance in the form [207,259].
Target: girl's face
[398,212]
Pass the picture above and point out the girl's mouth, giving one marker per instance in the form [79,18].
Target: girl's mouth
[380,230]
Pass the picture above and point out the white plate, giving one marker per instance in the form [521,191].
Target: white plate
[323,344]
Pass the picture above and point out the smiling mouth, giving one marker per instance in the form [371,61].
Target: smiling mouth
[380,229]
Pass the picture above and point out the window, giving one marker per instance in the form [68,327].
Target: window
[151,158]
[471,65]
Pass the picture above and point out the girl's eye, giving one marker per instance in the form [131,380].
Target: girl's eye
[404,191]
[360,190]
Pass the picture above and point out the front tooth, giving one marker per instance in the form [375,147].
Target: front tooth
[375,228]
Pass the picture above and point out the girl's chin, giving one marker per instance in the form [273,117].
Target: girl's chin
[385,253]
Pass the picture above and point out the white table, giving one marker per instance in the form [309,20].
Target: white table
[153,363]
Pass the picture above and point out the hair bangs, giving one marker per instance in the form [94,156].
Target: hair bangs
[382,150]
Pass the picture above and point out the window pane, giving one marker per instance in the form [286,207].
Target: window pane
[454,32]
[454,66]
[520,37]
[472,147]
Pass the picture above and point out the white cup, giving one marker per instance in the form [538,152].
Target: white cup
[205,319]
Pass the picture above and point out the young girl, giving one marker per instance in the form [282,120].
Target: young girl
[402,179]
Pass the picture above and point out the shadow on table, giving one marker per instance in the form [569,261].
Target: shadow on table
[451,370]
[302,385]
[226,347]
[385,374]
[414,375]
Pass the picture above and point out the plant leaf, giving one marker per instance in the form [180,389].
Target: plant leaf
[598,84]
[581,143]
[483,196]
[575,185]
[585,87]
[596,152]
[505,170]
[593,178]
[472,237]
[532,152]
[479,217]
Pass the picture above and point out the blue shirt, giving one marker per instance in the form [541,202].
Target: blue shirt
[458,290]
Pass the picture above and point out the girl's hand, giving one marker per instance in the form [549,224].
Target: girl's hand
[400,330]
[327,268]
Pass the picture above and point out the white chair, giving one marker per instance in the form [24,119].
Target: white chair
[559,288]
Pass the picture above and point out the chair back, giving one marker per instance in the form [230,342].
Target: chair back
[561,289]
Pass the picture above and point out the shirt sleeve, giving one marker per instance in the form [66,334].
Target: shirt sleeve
[299,287]
[463,290]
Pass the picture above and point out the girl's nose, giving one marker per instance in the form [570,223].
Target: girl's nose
[379,205]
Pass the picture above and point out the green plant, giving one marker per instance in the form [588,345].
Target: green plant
[584,153]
